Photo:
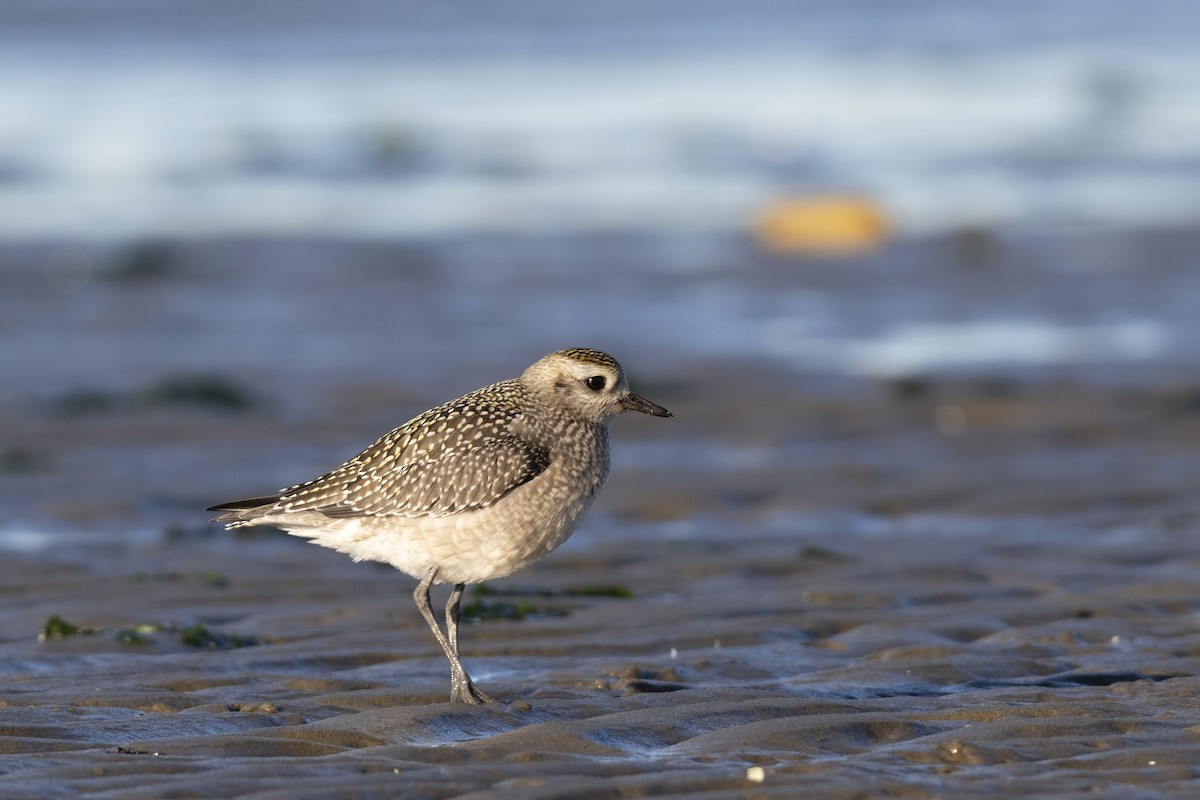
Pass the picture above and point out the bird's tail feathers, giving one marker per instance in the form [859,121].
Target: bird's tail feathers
[242,512]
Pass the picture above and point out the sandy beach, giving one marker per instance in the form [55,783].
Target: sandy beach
[977,582]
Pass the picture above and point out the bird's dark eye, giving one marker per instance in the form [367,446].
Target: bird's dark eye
[595,383]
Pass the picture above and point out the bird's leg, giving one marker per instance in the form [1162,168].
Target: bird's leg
[463,689]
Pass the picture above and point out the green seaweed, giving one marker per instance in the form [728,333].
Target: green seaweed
[214,579]
[20,460]
[138,634]
[910,387]
[204,390]
[143,261]
[486,590]
[996,387]
[195,635]
[80,402]
[1181,400]
[58,628]
[813,552]
[392,148]
[480,611]
[175,576]
[619,592]
[208,577]
[199,635]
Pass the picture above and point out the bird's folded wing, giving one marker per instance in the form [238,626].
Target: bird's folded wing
[436,475]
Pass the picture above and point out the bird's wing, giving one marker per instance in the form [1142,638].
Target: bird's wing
[458,457]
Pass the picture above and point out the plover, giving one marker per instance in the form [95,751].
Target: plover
[470,490]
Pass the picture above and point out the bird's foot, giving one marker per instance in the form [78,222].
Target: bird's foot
[464,690]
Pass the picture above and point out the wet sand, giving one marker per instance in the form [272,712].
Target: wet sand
[800,586]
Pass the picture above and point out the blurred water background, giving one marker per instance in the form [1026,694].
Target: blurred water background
[132,118]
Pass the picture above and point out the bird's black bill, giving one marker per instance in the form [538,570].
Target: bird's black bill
[632,402]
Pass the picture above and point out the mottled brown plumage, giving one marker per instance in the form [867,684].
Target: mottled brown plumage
[470,490]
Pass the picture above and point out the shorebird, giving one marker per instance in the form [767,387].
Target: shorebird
[468,491]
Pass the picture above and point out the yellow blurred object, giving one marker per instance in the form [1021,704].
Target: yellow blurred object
[827,225]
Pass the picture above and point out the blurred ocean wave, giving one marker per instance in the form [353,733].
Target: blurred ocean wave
[373,119]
